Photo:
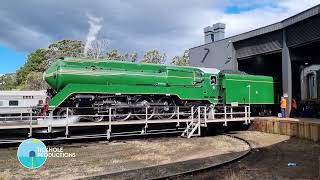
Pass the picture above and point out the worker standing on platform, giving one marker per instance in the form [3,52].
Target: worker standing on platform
[294,109]
[283,105]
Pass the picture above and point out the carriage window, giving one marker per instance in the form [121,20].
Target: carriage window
[13,103]
[1,103]
[40,102]
[213,80]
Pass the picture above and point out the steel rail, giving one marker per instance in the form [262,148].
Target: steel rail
[212,166]
[141,171]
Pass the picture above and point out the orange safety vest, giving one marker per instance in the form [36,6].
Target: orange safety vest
[283,103]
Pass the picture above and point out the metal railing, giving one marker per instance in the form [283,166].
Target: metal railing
[190,118]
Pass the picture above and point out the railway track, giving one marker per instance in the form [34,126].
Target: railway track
[190,172]
[178,169]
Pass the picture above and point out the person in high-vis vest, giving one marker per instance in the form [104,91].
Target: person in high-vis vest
[283,105]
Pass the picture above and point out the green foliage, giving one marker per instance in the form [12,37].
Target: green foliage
[114,55]
[34,81]
[154,56]
[183,60]
[35,63]
[8,82]
[99,50]
[134,57]
[63,48]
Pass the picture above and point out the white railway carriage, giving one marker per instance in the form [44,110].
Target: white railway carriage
[20,102]
[310,83]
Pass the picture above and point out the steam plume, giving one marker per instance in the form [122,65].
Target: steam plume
[95,27]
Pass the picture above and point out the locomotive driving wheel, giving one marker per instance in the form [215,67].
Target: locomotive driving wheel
[167,109]
[121,114]
[64,112]
[97,118]
[144,109]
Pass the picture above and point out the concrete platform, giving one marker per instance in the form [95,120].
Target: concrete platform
[306,128]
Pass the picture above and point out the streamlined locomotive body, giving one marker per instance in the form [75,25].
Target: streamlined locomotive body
[95,85]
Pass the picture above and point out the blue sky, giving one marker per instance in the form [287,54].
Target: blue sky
[237,9]
[10,59]
[170,26]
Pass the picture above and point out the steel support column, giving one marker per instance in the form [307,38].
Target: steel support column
[286,73]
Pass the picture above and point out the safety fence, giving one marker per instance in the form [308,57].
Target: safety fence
[188,119]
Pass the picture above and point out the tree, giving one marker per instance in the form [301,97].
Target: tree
[97,49]
[38,61]
[63,48]
[8,82]
[154,56]
[181,61]
[34,81]
[35,63]
[134,57]
[114,55]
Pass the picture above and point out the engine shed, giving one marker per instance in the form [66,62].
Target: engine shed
[286,50]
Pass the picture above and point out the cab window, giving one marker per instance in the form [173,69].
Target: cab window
[213,80]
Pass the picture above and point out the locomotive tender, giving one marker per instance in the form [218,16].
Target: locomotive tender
[95,85]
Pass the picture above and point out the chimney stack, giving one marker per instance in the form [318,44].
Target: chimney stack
[214,33]
[208,35]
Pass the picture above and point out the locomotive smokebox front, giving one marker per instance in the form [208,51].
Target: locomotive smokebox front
[52,75]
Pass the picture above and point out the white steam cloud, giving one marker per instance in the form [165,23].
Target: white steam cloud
[95,27]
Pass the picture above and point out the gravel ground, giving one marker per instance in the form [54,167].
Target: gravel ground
[97,158]
[269,160]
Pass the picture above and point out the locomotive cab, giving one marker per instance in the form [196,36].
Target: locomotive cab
[211,84]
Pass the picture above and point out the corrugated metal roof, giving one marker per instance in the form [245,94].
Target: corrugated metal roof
[22,93]
[274,27]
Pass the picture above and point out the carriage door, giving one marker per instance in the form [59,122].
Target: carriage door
[311,86]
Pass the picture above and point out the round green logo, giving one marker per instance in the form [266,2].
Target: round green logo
[32,153]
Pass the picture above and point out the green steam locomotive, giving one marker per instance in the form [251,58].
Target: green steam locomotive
[96,85]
